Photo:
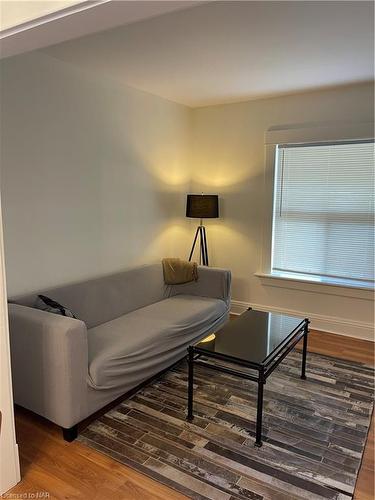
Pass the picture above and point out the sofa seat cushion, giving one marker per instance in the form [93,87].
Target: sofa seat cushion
[126,347]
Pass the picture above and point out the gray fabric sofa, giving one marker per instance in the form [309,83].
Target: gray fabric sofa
[131,326]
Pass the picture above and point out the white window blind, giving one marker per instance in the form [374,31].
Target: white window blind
[323,223]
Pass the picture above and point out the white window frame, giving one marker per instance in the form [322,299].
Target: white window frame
[322,133]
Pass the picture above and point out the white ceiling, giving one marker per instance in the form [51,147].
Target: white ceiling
[15,12]
[229,51]
[32,24]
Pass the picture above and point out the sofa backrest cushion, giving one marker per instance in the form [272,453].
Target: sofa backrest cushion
[99,300]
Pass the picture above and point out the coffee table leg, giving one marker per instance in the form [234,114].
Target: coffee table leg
[258,432]
[304,350]
[190,382]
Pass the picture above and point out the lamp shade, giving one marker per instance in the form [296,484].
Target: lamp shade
[202,206]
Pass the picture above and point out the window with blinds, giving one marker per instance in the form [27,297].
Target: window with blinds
[323,218]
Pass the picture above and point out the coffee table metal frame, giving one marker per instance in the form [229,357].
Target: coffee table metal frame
[264,368]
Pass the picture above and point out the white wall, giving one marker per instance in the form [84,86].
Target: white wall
[93,174]
[94,177]
[228,157]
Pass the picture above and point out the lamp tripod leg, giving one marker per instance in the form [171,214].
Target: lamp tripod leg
[194,242]
[202,257]
[204,246]
[203,251]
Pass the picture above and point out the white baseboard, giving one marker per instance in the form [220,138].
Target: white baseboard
[331,324]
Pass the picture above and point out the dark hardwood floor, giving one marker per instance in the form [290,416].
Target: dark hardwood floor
[67,471]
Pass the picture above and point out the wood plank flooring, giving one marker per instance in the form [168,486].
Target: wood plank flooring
[67,471]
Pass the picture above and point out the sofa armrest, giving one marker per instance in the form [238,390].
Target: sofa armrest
[49,363]
[212,282]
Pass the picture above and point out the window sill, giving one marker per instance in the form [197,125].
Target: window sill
[311,285]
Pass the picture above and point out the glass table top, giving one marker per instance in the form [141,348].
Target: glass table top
[252,337]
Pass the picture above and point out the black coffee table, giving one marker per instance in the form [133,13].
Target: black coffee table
[256,341]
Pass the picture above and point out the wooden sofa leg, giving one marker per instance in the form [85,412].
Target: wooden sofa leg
[70,434]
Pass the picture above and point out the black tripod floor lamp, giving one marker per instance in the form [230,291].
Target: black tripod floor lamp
[202,206]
